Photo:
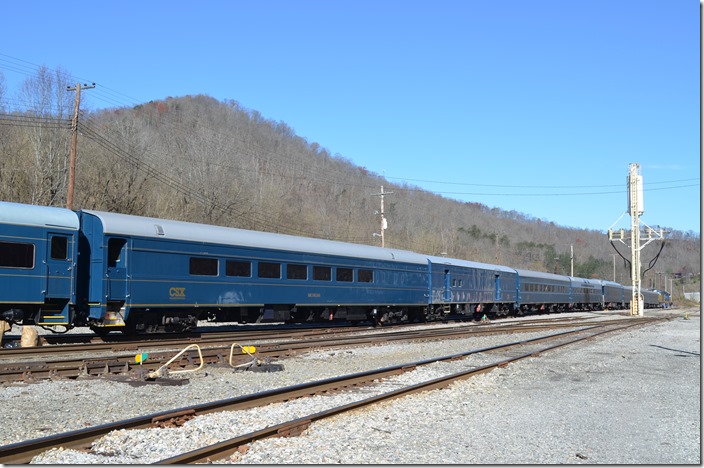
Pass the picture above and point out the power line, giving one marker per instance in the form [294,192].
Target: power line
[35,122]
[116,97]
[526,186]
[16,120]
[177,185]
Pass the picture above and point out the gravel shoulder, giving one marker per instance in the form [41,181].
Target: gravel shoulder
[631,398]
[634,398]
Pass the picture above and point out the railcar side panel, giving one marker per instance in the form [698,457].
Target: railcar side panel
[542,291]
[471,287]
[586,294]
[37,264]
[185,274]
[182,272]
[613,295]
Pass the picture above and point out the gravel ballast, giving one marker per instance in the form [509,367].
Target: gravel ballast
[627,398]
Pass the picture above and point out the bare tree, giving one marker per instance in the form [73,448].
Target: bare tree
[45,96]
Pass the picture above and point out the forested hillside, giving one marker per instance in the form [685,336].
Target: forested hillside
[197,159]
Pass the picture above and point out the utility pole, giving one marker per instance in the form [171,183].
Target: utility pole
[384,224]
[635,209]
[572,260]
[74,141]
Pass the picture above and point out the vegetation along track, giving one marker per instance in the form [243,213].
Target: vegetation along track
[110,359]
[22,452]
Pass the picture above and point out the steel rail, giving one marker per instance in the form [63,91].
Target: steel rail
[23,452]
[220,339]
[217,352]
[121,342]
[86,344]
[296,427]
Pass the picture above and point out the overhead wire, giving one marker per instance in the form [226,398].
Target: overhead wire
[177,185]
[276,167]
[21,120]
[118,98]
[29,121]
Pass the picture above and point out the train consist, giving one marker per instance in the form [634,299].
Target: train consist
[61,268]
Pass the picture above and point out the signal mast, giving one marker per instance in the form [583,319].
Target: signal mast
[634,188]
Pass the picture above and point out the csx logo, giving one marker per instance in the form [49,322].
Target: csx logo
[177,293]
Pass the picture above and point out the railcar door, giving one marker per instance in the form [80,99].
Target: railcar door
[447,295]
[59,266]
[497,289]
[117,284]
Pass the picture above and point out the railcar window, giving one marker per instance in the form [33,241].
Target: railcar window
[322,273]
[16,255]
[365,276]
[115,246]
[238,268]
[269,270]
[204,266]
[59,247]
[297,272]
[344,274]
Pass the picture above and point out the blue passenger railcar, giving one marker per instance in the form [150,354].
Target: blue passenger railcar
[38,258]
[651,298]
[613,295]
[470,288]
[585,294]
[150,274]
[542,291]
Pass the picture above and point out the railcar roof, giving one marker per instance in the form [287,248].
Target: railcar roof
[129,225]
[542,275]
[608,282]
[584,280]
[40,216]
[469,264]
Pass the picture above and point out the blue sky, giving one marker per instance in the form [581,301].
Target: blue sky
[537,107]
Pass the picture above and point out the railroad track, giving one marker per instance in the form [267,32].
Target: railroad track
[23,452]
[117,341]
[110,359]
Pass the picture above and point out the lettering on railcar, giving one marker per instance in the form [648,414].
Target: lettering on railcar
[177,293]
